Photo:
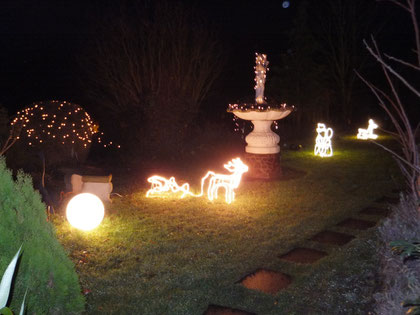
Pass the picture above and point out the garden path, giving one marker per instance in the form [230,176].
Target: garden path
[271,281]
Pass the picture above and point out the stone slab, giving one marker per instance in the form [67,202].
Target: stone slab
[221,310]
[332,238]
[303,255]
[375,211]
[267,281]
[389,200]
[356,224]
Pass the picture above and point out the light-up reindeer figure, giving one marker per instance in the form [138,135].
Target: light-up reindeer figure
[228,182]
[215,181]
[323,145]
[365,134]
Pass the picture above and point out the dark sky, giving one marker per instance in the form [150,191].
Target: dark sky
[41,41]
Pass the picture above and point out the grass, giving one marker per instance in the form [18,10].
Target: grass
[177,256]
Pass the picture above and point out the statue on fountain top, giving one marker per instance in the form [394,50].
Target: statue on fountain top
[261,68]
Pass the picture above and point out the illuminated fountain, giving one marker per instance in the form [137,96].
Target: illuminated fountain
[262,153]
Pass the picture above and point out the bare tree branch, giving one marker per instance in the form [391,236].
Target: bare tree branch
[15,131]
[396,155]
[397,3]
[393,106]
[380,60]
[402,62]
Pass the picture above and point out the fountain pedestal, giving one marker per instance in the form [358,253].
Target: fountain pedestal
[262,151]
[263,166]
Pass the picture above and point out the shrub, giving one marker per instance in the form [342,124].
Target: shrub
[63,131]
[400,277]
[44,268]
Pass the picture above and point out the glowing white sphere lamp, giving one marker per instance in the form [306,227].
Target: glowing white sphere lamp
[85,211]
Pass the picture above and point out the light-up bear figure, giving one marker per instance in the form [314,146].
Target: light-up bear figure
[365,134]
[215,181]
[323,146]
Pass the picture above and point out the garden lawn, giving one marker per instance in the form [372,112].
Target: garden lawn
[177,256]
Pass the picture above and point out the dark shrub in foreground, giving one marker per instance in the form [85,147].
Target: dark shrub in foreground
[44,268]
[400,279]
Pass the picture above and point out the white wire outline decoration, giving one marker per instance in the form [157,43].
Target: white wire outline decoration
[365,134]
[323,145]
[229,182]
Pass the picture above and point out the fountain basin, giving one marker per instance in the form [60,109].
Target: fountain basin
[262,140]
[262,149]
[255,115]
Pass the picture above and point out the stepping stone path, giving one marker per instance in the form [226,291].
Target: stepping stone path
[271,282]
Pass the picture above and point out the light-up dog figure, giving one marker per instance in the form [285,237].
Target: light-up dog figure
[365,134]
[215,181]
[161,185]
[323,146]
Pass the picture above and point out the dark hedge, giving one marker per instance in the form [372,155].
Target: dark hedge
[44,267]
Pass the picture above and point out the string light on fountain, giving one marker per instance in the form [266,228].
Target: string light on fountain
[260,103]
[229,182]
[365,134]
[247,107]
[61,122]
[323,145]
[261,68]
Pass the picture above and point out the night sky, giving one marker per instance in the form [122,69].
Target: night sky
[41,42]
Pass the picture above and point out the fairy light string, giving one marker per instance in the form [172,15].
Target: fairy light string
[59,122]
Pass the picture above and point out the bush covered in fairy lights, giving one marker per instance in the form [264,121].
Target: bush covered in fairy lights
[57,122]
[60,128]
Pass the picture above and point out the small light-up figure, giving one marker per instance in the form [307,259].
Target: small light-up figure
[236,167]
[85,211]
[323,146]
[365,134]
[162,185]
